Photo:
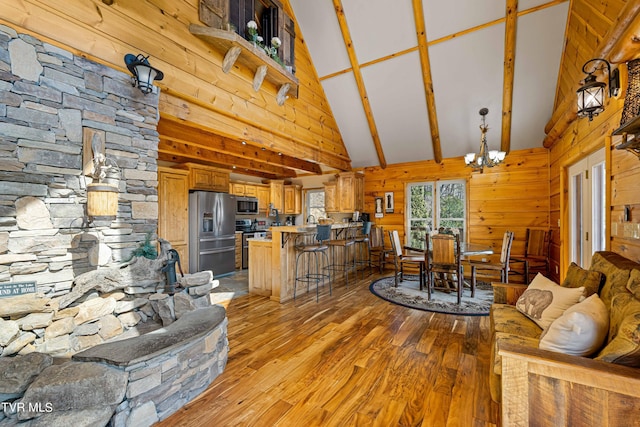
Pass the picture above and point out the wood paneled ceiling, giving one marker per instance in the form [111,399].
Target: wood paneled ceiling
[405,81]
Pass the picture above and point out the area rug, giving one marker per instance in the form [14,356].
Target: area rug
[408,294]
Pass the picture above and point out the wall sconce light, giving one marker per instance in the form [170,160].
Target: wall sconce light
[591,94]
[143,73]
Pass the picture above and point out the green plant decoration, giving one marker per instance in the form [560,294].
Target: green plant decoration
[145,249]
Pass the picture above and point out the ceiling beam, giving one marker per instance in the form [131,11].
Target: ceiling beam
[183,159]
[346,35]
[181,108]
[511,17]
[186,149]
[177,131]
[427,80]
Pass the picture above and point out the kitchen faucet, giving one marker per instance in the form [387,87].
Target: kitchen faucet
[309,218]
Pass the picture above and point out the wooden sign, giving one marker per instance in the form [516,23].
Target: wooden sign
[12,289]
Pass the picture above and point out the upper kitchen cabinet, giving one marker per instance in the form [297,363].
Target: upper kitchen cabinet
[345,194]
[206,178]
[263,194]
[277,194]
[292,199]
[173,214]
[242,189]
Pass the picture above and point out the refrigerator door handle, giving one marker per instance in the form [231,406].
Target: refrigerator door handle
[218,251]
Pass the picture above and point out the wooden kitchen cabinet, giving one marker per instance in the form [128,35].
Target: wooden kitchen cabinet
[238,259]
[276,195]
[242,189]
[345,194]
[173,211]
[205,178]
[292,199]
[263,194]
[260,268]
[331,196]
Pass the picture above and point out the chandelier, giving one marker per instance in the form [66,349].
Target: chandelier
[485,157]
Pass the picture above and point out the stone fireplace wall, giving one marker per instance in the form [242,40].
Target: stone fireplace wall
[48,97]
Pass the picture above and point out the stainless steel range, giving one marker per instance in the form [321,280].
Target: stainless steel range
[249,230]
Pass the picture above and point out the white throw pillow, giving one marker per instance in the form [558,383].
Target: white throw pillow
[580,331]
[544,300]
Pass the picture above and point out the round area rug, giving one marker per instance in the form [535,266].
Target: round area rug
[408,294]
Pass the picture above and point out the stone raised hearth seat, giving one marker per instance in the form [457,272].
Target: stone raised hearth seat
[131,382]
[554,388]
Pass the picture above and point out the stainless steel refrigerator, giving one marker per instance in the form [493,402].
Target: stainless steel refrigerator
[212,232]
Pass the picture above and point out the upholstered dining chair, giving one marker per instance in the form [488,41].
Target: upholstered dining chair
[443,264]
[536,253]
[402,257]
[496,271]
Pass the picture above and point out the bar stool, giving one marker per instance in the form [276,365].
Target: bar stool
[346,261]
[313,254]
[362,242]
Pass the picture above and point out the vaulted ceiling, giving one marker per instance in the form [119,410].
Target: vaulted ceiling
[405,80]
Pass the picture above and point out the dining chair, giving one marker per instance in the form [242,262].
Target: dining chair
[377,248]
[402,256]
[493,270]
[444,265]
[536,253]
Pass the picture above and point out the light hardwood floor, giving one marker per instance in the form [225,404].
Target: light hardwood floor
[352,359]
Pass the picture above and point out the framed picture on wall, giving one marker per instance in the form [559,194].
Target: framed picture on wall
[379,207]
[388,202]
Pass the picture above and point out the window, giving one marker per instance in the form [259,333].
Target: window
[431,205]
[315,204]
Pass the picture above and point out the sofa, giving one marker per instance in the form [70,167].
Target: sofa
[536,381]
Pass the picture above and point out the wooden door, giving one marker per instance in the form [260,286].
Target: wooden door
[173,211]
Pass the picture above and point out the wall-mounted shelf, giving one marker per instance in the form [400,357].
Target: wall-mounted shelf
[632,145]
[237,49]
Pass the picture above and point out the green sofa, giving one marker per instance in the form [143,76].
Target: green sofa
[534,373]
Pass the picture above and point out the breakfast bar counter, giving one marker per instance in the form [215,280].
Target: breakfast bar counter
[279,281]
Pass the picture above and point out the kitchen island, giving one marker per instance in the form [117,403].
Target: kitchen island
[272,272]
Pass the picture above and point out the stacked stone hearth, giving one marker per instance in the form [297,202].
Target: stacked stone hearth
[39,324]
[36,330]
[52,105]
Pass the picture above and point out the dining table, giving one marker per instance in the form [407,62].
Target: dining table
[466,249]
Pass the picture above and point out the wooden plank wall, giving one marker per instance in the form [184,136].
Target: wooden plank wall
[513,196]
[194,87]
[579,140]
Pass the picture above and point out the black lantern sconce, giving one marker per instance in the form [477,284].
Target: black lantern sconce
[143,73]
[591,94]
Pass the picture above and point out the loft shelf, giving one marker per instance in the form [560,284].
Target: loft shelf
[237,49]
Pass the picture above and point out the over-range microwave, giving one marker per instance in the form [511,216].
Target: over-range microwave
[246,205]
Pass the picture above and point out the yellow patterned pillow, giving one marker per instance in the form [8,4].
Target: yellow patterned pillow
[623,304]
[633,285]
[578,276]
[625,347]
